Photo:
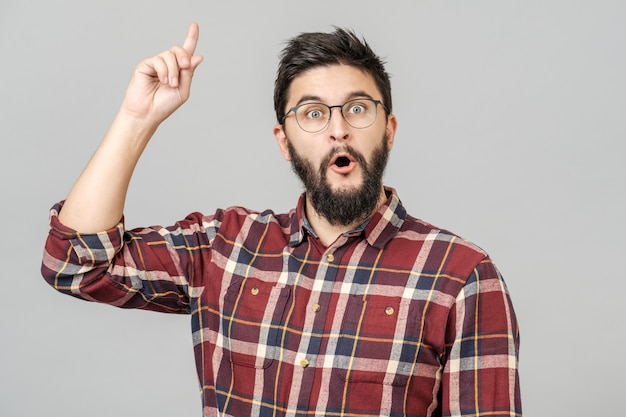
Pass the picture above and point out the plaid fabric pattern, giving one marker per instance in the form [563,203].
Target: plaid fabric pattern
[397,318]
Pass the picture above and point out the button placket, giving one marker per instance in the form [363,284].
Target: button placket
[316,312]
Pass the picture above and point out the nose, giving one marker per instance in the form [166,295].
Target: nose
[338,128]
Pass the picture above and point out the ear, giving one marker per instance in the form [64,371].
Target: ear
[281,139]
[392,125]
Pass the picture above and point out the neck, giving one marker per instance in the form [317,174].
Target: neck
[328,232]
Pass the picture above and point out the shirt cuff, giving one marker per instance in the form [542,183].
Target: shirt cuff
[90,248]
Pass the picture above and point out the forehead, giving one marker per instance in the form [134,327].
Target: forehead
[332,84]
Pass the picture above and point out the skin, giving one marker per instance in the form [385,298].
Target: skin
[333,85]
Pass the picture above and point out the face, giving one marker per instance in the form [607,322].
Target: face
[341,166]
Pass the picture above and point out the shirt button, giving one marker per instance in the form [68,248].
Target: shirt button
[316,308]
[254,291]
[304,363]
[389,311]
[330,257]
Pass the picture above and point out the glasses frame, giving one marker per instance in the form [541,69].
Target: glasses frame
[330,113]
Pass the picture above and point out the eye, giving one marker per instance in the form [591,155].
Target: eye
[314,114]
[313,111]
[357,108]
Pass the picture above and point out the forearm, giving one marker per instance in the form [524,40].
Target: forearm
[159,86]
[96,201]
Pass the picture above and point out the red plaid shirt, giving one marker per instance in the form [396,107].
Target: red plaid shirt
[396,318]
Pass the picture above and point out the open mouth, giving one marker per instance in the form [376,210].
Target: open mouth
[342,161]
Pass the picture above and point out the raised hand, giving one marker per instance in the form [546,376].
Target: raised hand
[161,84]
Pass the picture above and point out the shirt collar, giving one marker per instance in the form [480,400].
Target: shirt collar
[381,227]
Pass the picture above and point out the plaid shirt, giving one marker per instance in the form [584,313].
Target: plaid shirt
[396,318]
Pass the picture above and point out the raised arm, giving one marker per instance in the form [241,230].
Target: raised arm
[159,86]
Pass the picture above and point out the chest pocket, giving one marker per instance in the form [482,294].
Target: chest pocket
[253,321]
[369,349]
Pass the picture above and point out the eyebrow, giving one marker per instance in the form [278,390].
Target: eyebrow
[351,96]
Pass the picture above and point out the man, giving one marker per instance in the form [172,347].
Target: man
[346,305]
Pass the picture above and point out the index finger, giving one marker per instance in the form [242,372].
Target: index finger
[192,38]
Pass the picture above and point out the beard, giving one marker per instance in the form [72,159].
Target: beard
[343,207]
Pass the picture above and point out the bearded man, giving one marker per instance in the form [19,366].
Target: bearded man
[344,306]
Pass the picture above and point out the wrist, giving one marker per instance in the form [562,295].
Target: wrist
[133,126]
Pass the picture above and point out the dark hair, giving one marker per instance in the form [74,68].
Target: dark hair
[314,49]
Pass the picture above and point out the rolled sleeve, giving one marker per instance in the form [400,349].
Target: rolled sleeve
[90,249]
[118,267]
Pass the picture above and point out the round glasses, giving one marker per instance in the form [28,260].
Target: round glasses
[314,117]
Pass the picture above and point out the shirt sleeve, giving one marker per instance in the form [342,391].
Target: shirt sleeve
[481,375]
[147,268]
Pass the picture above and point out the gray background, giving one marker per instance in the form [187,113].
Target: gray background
[511,133]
